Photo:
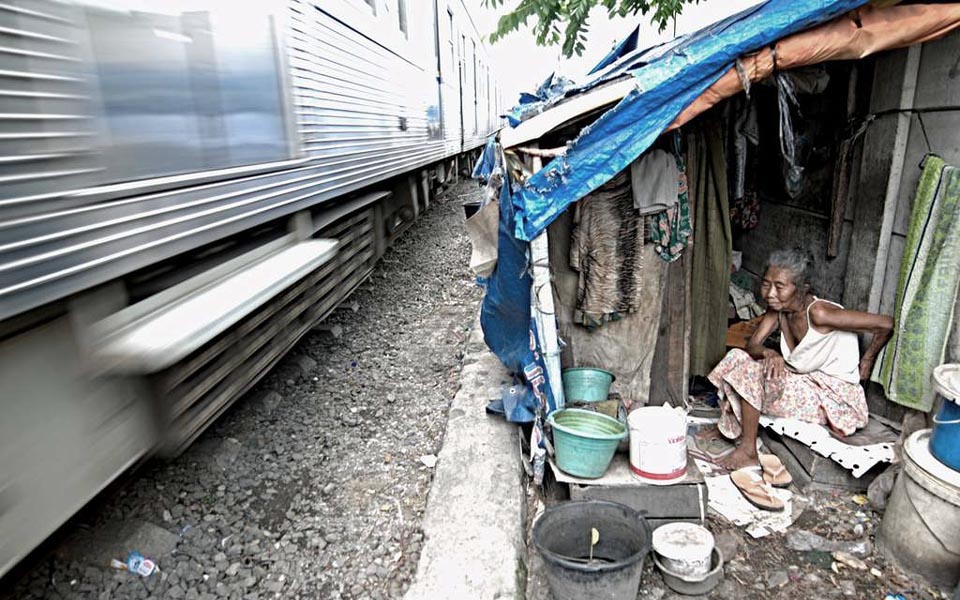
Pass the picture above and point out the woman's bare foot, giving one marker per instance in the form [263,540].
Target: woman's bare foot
[738,459]
[711,432]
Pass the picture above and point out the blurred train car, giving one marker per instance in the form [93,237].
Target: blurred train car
[186,188]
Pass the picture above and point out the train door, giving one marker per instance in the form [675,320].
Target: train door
[436,121]
[453,84]
[475,95]
[462,68]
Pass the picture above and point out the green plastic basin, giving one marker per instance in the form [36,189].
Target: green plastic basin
[585,441]
[585,384]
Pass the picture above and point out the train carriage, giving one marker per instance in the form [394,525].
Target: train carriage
[186,188]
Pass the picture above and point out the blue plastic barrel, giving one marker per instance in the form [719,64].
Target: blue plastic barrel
[945,437]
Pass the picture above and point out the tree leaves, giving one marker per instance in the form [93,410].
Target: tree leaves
[565,21]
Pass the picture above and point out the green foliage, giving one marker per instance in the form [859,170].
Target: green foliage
[565,21]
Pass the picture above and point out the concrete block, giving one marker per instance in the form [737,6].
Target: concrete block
[888,80]
[868,193]
[812,471]
[685,500]
[782,223]
[937,77]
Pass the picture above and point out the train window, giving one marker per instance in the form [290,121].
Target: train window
[397,14]
[402,15]
[185,86]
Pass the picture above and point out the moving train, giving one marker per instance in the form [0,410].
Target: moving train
[187,187]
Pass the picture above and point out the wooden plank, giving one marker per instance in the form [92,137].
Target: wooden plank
[668,372]
[686,499]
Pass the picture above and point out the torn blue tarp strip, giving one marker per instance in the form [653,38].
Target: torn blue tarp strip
[528,98]
[638,57]
[523,111]
[517,404]
[626,46]
[551,90]
[664,87]
[487,161]
[505,317]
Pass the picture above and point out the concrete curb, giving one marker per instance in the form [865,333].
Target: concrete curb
[473,526]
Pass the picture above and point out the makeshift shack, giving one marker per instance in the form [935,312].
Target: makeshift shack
[792,124]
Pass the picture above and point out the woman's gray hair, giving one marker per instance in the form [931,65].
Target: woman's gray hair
[797,261]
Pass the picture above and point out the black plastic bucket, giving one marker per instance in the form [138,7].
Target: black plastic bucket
[562,536]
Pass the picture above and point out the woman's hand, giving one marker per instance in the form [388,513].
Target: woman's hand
[774,367]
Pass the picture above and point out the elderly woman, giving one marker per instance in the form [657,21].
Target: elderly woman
[816,375]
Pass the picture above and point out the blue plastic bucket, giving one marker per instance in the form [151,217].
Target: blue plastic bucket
[945,437]
[586,384]
[585,441]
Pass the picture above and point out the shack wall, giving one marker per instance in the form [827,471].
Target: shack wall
[916,98]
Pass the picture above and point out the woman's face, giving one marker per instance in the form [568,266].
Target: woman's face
[778,288]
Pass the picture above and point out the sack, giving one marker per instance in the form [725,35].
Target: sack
[483,229]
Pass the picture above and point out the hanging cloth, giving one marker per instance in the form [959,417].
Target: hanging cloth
[671,230]
[713,251]
[927,291]
[654,178]
[605,244]
[745,203]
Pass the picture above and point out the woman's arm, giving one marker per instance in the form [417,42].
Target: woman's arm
[768,325]
[827,317]
[774,366]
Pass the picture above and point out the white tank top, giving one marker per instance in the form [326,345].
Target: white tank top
[836,353]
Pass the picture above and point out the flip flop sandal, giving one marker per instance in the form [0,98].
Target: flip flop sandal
[774,472]
[757,493]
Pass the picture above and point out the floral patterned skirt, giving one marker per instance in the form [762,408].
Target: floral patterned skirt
[811,397]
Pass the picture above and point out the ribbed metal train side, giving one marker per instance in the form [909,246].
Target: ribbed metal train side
[365,111]
[47,130]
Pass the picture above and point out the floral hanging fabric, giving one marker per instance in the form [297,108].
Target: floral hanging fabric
[671,230]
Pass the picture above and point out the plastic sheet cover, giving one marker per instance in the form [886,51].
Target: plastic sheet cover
[487,162]
[664,87]
[626,46]
[507,324]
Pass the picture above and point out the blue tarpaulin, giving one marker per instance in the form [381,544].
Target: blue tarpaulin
[506,319]
[664,87]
